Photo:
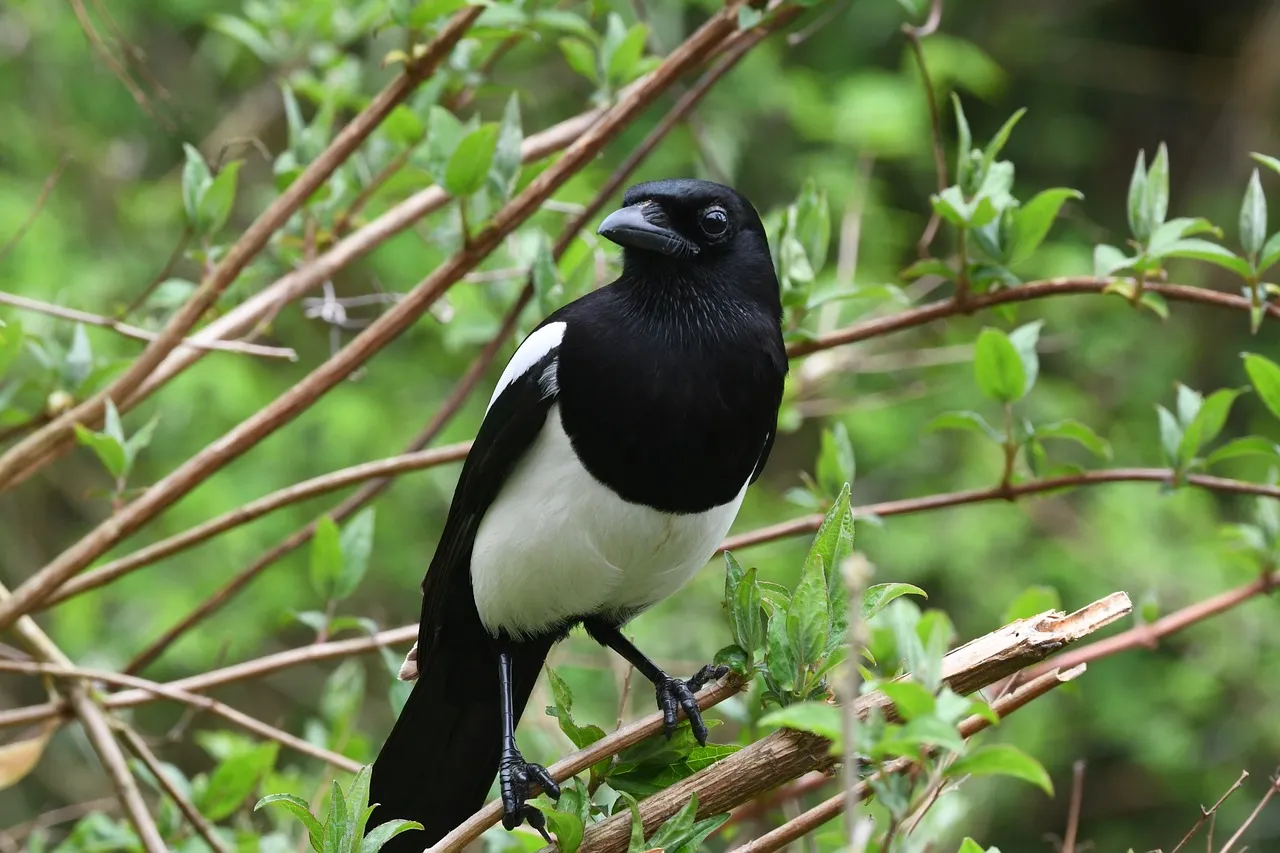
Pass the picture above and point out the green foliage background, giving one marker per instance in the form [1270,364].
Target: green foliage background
[1162,730]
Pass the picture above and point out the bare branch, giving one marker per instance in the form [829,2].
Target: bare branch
[1272,790]
[137,333]
[46,190]
[198,821]
[113,64]
[1205,814]
[915,35]
[1073,809]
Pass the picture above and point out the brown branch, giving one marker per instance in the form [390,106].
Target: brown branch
[1073,809]
[198,821]
[786,755]
[138,333]
[381,469]
[46,190]
[95,40]
[915,36]
[829,809]
[177,694]
[244,250]
[12,838]
[1272,790]
[1147,636]
[1206,813]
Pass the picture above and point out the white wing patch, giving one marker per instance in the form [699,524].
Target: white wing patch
[533,350]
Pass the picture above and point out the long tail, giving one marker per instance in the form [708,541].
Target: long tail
[441,757]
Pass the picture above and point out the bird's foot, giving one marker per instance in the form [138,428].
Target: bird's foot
[516,776]
[674,694]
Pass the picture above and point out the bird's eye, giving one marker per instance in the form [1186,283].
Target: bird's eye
[714,221]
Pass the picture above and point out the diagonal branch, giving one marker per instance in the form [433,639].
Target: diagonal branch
[198,821]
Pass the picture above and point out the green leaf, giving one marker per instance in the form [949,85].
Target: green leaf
[620,62]
[817,717]
[507,157]
[970,846]
[999,367]
[1170,434]
[298,808]
[998,141]
[469,164]
[580,736]
[951,206]
[1002,760]
[699,832]
[139,441]
[1207,422]
[748,17]
[217,200]
[808,618]
[342,697]
[636,842]
[195,181]
[964,144]
[246,34]
[1248,446]
[1081,434]
[567,828]
[1108,259]
[968,421]
[326,558]
[1156,199]
[335,826]
[910,698]
[1270,254]
[1139,220]
[355,545]
[733,575]
[813,223]
[1177,228]
[1024,340]
[1032,221]
[1253,216]
[780,656]
[384,832]
[1189,403]
[836,463]
[677,828]
[928,266]
[748,614]
[735,657]
[1265,376]
[357,801]
[109,451]
[1203,250]
[581,58]
[1270,162]
[234,779]
[878,596]
[444,133]
[1032,602]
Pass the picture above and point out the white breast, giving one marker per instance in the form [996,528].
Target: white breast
[557,544]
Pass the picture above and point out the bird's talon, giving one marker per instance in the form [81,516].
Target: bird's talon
[675,693]
[515,775]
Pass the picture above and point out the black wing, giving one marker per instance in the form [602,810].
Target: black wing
[509,428]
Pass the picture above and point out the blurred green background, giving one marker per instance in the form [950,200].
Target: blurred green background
[1162,730]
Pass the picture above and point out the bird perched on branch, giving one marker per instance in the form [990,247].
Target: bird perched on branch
[610,463]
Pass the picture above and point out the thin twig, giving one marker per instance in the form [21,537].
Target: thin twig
[1073,809]
[95,40]
[177,694]
[915,35]
[1272,790]
[137,333]
[198,821]
[13,837]
[243,251]
[1205,814]
[41,200]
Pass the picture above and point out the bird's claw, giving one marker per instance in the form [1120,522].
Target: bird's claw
[516,775]
[674,694]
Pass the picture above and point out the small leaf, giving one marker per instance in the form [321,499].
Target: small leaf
[970,846]
[384,832]
[817,717]
[1032,602]
[998,366]
[335,825]
[1073,430]
[1156,198]
[1170,434]
[910,698]
[1139,220]
[195,180]
[469,164]
[748,17]
[567,828]
[1270,254]
[998,141]
[928,266]
[780,656]
[326,558]
[355,544]
[1207,423]
[1248,446]
[878,596]
[298,808]
[78,365]
[813,223]
[1032,221]
[968,421]
[733,575]
[246,34]
[109,451]
[1253,216]
[808,618]
[835,460]
[1270,162]
[1203,250]
[620,63]
[748,614]
[1002,760]
[1109,259]
[1024,340]
[675,829]
[444,132]
[19,758]
[217,200]
[1265,376]
[581,58]
[507,156]
[964,143]
[234,779]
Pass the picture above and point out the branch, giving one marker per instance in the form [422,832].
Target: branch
[829,809]
[138,333]
[177,694]
[244,250]
[1206,813]
[1272,790]
[915,35]
[1073,808]
[198,821]
[786,755]
[46,190]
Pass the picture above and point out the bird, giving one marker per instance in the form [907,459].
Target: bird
[611,460]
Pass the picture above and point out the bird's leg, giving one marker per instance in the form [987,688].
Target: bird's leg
[514,773]
[672,693]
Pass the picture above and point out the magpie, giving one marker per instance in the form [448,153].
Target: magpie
[610,463]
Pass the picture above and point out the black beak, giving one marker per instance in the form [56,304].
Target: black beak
[631,228]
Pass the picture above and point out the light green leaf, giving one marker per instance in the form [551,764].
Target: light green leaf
[1024,340]
[1139,221]
[964,144]
[836,463]
[444,133]
[928,266]
[109,451]
[1270,162]
[384,832]
[999,367]
[1156,198]
[1270,253]
[915,736]
[1177,228]
[676,829]
[878,596]
[1203,250]
[469,164]
[808,618]
[217,200]
[1248,446]
[748,614]
[910,698]
[566,827]
[246,34]
[326,558]
[1032,221]
[813,223]
[195,180]
[1108,259]
[817,717]
[968,421]
[1253,216]
[581,58]
[1002,760]
[1082,434]
[998,141]
[507,156]
[299,808]
[1265,376]
[1207,422]
[733,575]
[1032,602]
[355,544]
[234,779]
[335,825]
[780,657]
[620,63]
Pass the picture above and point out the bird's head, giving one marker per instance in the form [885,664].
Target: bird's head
[691,225]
